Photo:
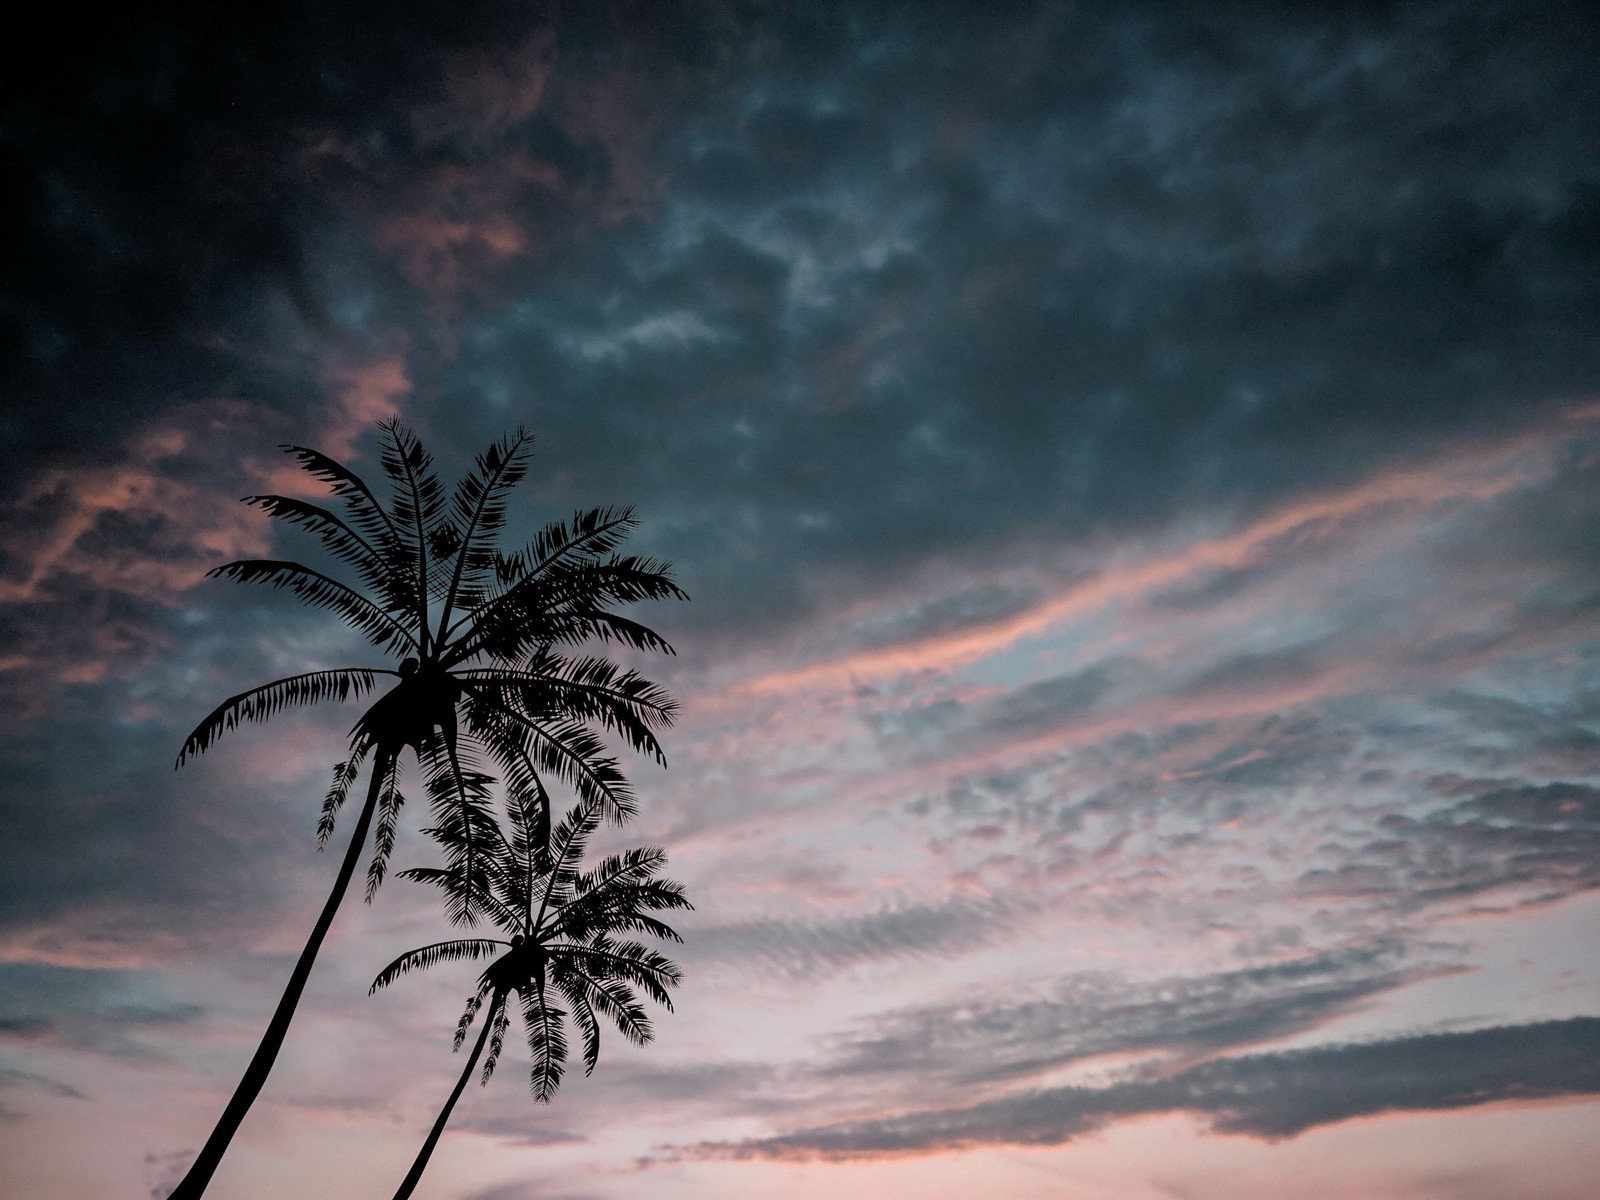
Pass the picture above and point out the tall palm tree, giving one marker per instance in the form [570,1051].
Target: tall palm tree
[562,926]
[486,642]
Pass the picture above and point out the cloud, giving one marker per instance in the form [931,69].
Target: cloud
[28,1083]
[1477,474]
[1134,468]
[102,1011]
[519,1130]
[1266,1096]
[991,1038]
[12,1078]
[810,949]
[527,1191]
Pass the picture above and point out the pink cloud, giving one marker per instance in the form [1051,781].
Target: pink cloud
[459,222]
[147,524]
[479,199]
[365,394]
[72,504]
[1474,473]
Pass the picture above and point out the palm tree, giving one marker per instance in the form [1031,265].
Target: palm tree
[562,926]
[485,641]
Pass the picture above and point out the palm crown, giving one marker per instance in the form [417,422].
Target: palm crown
[490,674]
[564,927]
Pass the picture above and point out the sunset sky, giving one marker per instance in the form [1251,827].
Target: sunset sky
[1136,467]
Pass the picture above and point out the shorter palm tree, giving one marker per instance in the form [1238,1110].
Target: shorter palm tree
[563,926]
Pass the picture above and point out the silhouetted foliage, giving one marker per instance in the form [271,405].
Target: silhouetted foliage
[489,673]
[563,926]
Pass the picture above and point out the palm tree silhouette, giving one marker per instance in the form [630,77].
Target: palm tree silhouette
[563,926]
[488,675]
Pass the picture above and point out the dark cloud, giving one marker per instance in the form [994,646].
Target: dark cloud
[834,293]
[1266,1096]
[1026,711]
[95,879]
[187,188]
[1258,670]
[104,1011]
[160,200]
[1527,844]
[993,1039]
[947,343]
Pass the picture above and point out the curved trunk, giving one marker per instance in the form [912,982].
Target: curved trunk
[205,1164]
[409,1185]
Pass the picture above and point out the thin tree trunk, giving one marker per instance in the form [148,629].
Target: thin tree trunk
[415,1175]
[194,1183]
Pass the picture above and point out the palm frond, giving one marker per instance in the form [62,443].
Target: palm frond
[591,533]
[624,579]
[464,825]
[628,908]
[583,1013]
[366,512]
[629,961]
[322,591]
[567,842]
[619,906]
[567,606]
[417,507]
[615,1000]
[631,866]
[430,956]
[379,571]
[479,503]
[344,774]
[499,1018]
[474,1002]
[260,703]
[507,917]
[565,749]
[576,626]
[547,1042]
[528,808]
[589,689]
[570,838]
[389,804]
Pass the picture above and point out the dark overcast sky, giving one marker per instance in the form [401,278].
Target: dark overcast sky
[1135,469]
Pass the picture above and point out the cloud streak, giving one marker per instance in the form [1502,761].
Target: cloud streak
[1267,1096]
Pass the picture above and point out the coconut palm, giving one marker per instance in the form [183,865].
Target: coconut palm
[562,947]
[488,669]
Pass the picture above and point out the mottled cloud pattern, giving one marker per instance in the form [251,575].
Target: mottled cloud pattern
[1136,471]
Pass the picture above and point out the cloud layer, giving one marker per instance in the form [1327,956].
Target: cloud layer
[1135,471]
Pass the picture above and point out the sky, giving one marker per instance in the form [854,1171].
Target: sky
[1135,470]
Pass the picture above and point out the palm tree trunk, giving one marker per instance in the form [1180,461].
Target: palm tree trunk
[194,1183]
[409,1185]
